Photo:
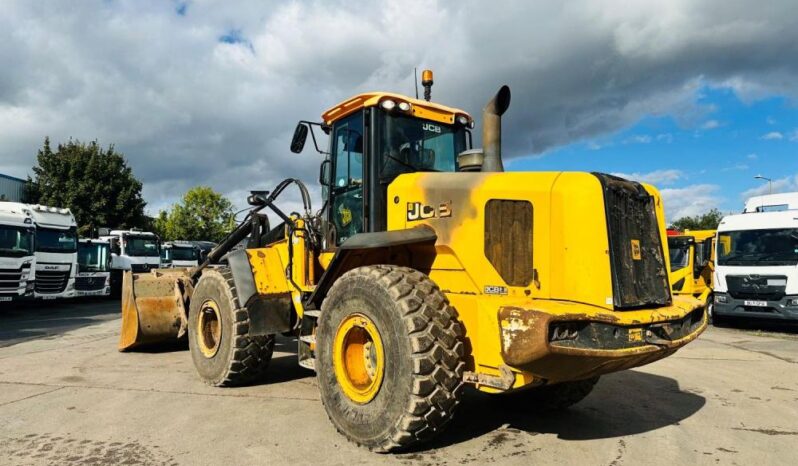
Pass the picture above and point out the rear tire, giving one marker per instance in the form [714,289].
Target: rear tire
[416,374]
[555,397]
[223,352]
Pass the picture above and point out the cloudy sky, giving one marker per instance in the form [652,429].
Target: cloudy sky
[696,97]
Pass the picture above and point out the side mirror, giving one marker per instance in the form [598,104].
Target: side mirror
[325,172]
[300,135]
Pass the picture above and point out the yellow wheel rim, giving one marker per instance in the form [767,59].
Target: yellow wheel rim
[358,358]
[209,328]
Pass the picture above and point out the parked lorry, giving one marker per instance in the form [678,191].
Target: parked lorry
[179,254]
[56,248]
[756,275]
[17,257]
[94,268]
[131,250]
[692,264]
[428,269]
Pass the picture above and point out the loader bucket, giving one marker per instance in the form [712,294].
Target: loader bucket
[154,307]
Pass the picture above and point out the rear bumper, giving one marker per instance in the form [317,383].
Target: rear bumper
[727,306]
[562,347]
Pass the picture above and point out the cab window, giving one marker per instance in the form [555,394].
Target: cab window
[347,191]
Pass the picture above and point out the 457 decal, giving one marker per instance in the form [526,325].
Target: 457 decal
[419,211]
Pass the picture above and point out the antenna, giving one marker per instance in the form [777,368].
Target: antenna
[415,74]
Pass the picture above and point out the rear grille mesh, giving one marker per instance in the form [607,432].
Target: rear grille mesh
[637,261]
[51,282]
[508,240]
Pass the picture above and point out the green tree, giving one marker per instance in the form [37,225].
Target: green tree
[201,215]
[96,184]
[706,221]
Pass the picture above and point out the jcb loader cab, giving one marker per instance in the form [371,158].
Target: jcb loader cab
[428,268]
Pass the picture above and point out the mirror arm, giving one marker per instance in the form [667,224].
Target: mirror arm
[311,124]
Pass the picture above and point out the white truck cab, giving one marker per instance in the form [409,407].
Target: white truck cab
[56,249]
[179,254]
[94,268]
[17,258]
[134,250]
[756,273]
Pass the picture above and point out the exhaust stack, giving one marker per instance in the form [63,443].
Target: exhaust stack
[492,130]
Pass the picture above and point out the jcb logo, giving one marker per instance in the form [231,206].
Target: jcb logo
[419,211]
[431,128]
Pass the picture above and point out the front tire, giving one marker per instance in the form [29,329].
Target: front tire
[223,352]
[390,357]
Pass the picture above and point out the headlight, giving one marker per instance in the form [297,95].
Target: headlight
[721,298]
[388,104]
[404,106]
[792,302]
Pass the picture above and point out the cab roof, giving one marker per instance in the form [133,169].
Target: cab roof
[419,108]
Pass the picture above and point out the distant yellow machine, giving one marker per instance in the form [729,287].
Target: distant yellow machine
[692,263]
[427,268]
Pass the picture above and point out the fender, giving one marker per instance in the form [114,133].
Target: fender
[369,249]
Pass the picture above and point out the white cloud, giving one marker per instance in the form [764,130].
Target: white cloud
[773,136]
[781,185]
[794,135]
[665,137]
[711,124]
[737,166]
[752,156]
[656,177]
[770,120]
[638,139]
[187,107]
[690,200]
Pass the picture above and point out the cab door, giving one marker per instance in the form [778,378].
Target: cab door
[346,212]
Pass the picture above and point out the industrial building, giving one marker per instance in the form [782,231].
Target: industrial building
[11,188]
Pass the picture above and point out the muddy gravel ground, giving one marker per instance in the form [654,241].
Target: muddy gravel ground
[68,397]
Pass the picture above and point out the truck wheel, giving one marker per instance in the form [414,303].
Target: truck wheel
[223,353]
[553,397]
[390,357]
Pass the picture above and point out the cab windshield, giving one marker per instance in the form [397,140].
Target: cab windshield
[54,240]
[180,254]
[679,253]
[138,246]
[758,247]
[15,241]
[410,145]
[93,257]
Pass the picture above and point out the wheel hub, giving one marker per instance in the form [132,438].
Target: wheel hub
[209,328]
[358,358]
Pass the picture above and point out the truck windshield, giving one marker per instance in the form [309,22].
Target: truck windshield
[141,246]
[54,240]
[679,253]
[410,145]
[758,247]
[15,241]
[183,254]
[93,257]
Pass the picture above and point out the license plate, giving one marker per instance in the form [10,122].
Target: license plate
[756,303]
[635,334]
[47,298]
[5,298]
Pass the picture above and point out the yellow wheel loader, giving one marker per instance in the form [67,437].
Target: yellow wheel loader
[692,264]
[426,269]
